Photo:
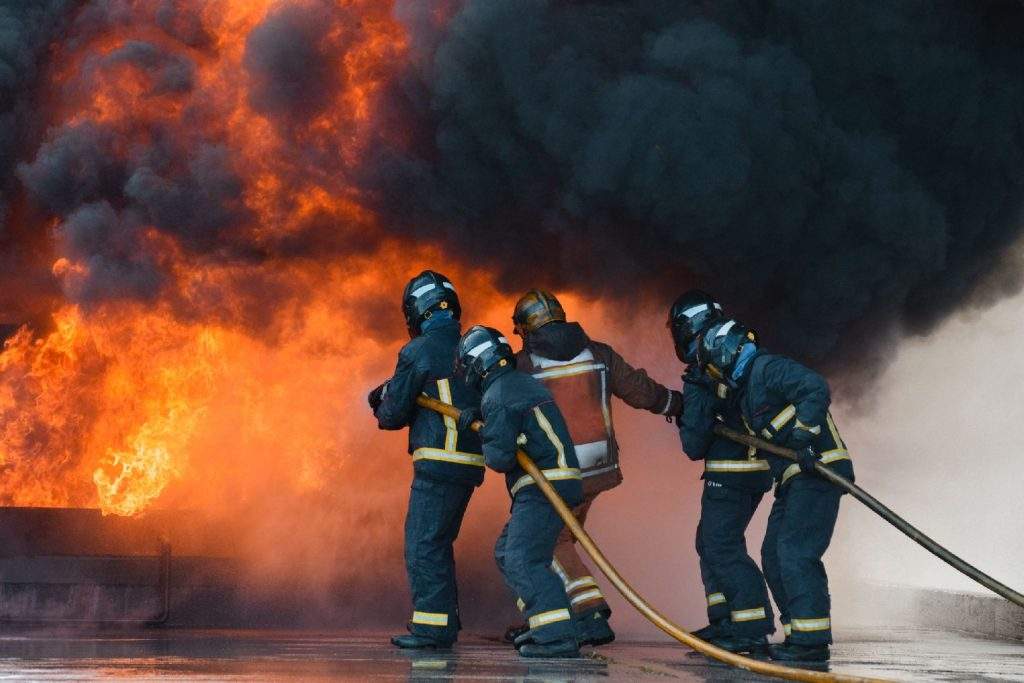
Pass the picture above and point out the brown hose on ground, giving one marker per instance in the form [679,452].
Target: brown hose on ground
[882,511]
[634,598]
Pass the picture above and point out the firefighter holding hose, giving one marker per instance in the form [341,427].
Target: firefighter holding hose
[520,413]
[735,480]
[583,375]
[447,462]
[786,403]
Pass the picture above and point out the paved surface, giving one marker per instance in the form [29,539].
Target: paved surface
[263,655]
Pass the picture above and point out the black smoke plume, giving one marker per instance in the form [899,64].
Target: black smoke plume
[835,172]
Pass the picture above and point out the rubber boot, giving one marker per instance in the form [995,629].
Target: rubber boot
[408,641]
[514,631]
[715,629]
[742,644]
[791,652]
[559,648]
[593,629]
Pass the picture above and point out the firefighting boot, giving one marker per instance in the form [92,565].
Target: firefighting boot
[742,644]
[409,641]
[791,652]
[559,648]
[593,629]
[715,629]
[514,631]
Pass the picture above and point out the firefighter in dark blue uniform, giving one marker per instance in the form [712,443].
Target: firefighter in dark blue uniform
[782,401]
[520,413]
[735,480]
[447,463]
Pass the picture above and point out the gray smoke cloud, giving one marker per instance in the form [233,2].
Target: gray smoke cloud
[835,172]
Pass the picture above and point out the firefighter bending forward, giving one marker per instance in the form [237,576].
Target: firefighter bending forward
[583,375]
[519,413]
[447,463]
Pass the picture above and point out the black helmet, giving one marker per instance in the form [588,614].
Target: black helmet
[719,348]
[426,293]
[692,313]
[481,351]
[534,310]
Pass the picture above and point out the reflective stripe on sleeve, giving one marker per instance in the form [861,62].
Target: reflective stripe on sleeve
[444,391]
[586,597]
[827,458]
[716,599]
[816,429]
[551,475]
[456,457]
[787,629]
[736,465]
[555,441]
[569,370]
[430,618]
[784,416]
[805,625]
[552,617]
[748,614]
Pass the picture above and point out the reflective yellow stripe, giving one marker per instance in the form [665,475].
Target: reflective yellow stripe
[787,629]
[816,429]
[784,416]
[550,475]
[835,432]
[749,614]
[581,582]
[716,599]
[430,618]
[828,457]
[735,465]
[552,617]
[474,459]
[444,392]
[555,441]
[586,596]
[569,370]
[520,604]
[722,391]
[556,566]
[804,625]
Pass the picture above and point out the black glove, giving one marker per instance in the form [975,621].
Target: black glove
[375,397]
[466,418]
[808,457]
[675,406]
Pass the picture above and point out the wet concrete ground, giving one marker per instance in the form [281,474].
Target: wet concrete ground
[268,655]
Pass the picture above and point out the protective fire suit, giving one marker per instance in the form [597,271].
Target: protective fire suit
[519,412]
[447,465]
[583,375]
[735,480]
[787,403]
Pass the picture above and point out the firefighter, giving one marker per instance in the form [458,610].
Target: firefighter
[519,412]
[782,401]
[447,463]
[735,479]
[583,375]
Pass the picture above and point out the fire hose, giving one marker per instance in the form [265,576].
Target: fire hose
[634,598]
[882,511]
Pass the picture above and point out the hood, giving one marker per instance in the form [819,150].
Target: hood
[557,341]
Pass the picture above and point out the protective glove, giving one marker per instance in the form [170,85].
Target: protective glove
[376,396]
[466,418]
[808,457]
[675,406]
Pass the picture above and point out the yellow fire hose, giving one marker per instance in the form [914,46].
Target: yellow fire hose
[882,511]
[634,598]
